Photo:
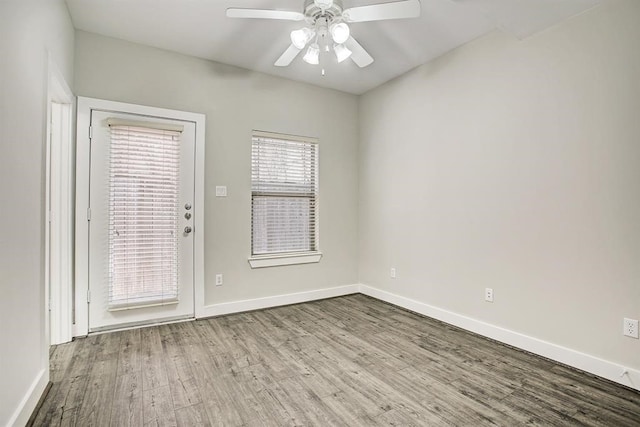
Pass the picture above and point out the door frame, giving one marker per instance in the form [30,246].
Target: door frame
[59,208]
[83,158]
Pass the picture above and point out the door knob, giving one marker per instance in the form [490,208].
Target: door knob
[187,230]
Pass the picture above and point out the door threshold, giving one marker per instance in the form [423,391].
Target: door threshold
[140,325]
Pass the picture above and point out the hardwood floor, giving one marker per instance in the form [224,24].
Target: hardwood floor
[349,361]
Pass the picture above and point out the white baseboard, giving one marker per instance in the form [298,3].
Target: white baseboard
[28,403]
[594,365]
[275,301]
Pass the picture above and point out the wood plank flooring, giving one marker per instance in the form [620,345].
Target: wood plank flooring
[348,361]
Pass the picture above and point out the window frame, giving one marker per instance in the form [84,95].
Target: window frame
[291,257]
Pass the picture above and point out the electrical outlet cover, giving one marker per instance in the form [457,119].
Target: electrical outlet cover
[488,294]
[630,328]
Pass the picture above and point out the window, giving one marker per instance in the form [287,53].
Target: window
[284,199]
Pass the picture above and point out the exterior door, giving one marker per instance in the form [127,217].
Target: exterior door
[141,195]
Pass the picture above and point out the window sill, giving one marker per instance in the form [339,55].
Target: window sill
[284,259]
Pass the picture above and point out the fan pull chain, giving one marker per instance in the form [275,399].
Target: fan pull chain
[325,43]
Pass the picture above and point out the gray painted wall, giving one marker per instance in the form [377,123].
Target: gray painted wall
[235,101]
[514,165]
[29,30]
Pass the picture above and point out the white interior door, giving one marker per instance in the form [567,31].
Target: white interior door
[141,196]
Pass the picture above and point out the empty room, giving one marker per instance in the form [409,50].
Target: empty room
[320,212]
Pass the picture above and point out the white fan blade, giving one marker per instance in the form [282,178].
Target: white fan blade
[264,14]
[288,56]
[360,56]
[382,11]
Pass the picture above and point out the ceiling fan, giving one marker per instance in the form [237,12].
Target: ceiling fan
[327,27]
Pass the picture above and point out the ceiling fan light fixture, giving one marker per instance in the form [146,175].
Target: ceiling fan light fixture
[300,38]
[326,18]
[342,52]
[340,32]
[313,55]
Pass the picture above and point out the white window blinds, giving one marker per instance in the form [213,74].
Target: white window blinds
[284,191]
[143,215]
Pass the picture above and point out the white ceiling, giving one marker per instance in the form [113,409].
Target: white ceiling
[200,28]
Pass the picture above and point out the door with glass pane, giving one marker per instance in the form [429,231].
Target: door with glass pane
[141,220]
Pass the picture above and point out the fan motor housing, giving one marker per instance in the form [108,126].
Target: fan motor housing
[313,12]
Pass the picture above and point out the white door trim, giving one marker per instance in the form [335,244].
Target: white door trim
[85,106]
[59,208]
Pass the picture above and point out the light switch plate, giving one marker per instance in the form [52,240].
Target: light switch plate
[221,191]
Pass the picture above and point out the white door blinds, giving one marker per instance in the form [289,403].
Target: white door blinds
[144,171]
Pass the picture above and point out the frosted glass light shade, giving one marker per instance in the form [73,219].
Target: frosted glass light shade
[300,38]
[313,55]
[340,32]
[342,52]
